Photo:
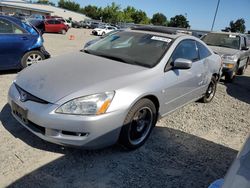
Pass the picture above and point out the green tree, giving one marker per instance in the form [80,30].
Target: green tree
[179,21]
[140,17]
[92,11]
[70,5]
[237,26]
[45,2]
[112,13]
[127,14]
[159,19]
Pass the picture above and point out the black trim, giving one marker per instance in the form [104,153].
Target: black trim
[30,97]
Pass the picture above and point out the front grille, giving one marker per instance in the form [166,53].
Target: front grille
[29,97]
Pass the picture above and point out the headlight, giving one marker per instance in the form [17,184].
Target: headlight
[89,105]
[229,57]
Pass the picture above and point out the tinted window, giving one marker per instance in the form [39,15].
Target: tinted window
[203,51]
[187,50]
[50,21]
[57,22]
[8,27]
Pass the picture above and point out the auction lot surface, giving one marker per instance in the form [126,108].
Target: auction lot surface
[189,148]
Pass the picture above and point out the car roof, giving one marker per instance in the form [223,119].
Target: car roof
[13,19]
[158,30]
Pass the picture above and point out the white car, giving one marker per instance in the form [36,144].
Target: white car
[103,30]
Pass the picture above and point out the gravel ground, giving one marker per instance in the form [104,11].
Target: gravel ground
[189,148]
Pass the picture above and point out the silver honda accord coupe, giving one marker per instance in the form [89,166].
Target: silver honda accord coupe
[116,89]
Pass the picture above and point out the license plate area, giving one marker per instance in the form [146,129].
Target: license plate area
[20,112]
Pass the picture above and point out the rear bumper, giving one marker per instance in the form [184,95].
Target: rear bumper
[45,52]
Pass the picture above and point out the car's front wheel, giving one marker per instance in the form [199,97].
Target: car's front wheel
[242,70]
[211,90]
[32,57]
[138,124]
[63,31]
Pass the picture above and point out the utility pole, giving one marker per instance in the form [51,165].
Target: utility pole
[215,14]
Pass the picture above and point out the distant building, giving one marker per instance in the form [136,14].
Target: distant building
[27,8]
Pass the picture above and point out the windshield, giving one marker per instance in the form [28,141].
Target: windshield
[222,40]
[131,47]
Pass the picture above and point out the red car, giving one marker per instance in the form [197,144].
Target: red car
[55,26]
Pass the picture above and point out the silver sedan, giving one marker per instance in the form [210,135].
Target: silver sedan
[116,89]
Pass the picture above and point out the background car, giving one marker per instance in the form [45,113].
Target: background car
[55,26]
[232,47]
[76,24]
[116,89]
[66,22]
[96,24]
[20,44]
[86,24]
[103,30]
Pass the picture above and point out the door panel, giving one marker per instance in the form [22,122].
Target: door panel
[12,45]
[183,85]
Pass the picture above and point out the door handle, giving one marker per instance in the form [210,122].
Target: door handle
[24,38]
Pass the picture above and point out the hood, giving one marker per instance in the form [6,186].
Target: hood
[53,79]
[223,50]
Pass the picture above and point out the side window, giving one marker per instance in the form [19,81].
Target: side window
[50,21]
[57,22]
[242,42]
[187,50]
[203,51]
[7,27]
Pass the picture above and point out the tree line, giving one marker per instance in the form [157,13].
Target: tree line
[115,14]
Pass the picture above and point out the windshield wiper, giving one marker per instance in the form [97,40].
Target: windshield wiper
[113,58]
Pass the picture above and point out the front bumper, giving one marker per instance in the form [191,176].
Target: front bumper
[45,52]
[89,132]
[94,32]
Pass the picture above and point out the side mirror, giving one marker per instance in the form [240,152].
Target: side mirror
[244,48]
[181,63]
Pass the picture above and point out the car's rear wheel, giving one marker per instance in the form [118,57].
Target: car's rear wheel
[63,31]
[138,124]
[32,57]
[211,90]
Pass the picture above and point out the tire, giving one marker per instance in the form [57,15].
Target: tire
[229,76]
[31,57]
[63,31]
[242,70]
[138,124]
[103,33]
[211,90]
